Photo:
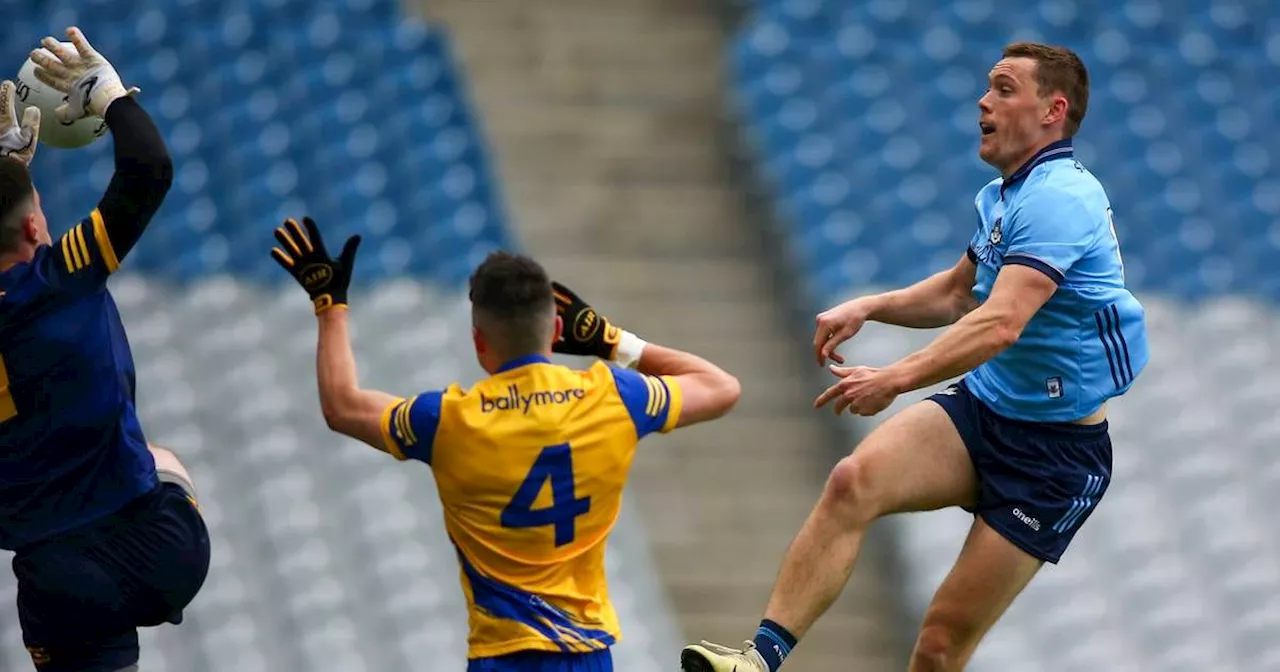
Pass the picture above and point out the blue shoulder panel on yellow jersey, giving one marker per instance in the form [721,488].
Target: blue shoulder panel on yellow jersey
[653,402]
[409,426]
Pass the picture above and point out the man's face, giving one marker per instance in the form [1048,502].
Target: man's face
[1012,115]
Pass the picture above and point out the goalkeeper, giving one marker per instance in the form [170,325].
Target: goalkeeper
[106,534]
[532,564]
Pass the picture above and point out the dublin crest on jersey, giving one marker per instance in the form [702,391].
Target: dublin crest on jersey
[997,234]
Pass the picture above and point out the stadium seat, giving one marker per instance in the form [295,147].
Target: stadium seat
[328,115]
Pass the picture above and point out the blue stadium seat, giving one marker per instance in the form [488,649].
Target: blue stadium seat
[339,112]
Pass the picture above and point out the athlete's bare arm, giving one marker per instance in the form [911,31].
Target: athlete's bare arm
[937,301]
[983,333]
[707,391]
[348,409]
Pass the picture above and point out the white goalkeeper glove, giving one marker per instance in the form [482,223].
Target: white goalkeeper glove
[88,81]
[17,140]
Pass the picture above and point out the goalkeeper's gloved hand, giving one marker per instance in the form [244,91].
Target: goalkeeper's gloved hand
[88,81]
[589,333]
[303,255]
[17,140]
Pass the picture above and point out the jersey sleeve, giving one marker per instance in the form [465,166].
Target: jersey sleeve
[409,426]
[653,402]
[1049,231]
[81,260]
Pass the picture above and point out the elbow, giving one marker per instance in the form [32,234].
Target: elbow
[150,169]
[334,415]
[161,170]
[332,418]
[728,390]
[1004,334]
[164,171]
[963,302]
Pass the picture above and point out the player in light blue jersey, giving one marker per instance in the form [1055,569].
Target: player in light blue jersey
[1087,343]
[1042,332]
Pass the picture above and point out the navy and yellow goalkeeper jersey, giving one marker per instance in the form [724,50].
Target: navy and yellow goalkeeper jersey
[530,465]
[71,447]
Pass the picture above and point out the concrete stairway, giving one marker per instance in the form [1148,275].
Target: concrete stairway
[603,118]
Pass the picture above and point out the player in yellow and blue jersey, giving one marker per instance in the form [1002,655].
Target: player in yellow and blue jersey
[530,462]
[105,529]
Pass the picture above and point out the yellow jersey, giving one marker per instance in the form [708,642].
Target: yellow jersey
[530,464]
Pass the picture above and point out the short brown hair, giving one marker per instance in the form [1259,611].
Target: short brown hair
[511,296]
[16,194]
[1058,69]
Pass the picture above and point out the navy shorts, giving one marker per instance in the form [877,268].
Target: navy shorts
[82,595]
[1038,481]
[544,661]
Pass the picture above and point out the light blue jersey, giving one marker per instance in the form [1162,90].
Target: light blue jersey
[1089,341]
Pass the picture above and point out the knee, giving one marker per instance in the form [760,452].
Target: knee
[941,647]
[168,462]
[851,492]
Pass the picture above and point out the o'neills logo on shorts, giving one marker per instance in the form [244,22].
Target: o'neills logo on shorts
[514,401]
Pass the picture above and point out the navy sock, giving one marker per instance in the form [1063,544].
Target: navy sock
[774,643]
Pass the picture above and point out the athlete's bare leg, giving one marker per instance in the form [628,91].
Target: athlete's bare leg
[170,469]
[915,461]
[987,577]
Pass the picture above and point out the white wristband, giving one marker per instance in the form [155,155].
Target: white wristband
[629,349]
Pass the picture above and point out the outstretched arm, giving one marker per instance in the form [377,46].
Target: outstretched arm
[347,408]
[937,301]
[143,175]
[143,169]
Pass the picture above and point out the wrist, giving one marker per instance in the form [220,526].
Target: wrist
[902,376]
[108,92]
[629,350]
[872,307]
[326,303]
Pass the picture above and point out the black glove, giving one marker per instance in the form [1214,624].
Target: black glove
[304,256]
[586,332]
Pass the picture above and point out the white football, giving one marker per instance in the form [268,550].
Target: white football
[32,91]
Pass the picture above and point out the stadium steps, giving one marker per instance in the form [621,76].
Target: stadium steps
[603,121]
[634,218]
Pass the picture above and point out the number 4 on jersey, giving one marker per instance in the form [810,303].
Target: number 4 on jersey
[554,463]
